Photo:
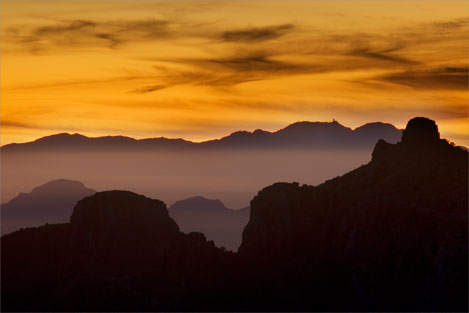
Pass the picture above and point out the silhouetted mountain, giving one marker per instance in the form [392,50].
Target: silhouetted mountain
[120,251]
[65,141]
[390,235]
[310,152]
[309,135]
[297,135]
[198,204]
[49,203]
[220,224]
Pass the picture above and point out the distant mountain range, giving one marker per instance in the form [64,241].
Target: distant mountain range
[52,202]
[297,135]
[211,217]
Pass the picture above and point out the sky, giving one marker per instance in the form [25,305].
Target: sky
[202,69]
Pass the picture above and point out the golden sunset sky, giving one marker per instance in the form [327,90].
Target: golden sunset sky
[202,69]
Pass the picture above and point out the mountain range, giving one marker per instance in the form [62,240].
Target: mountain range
[297,135]
[174,169]
[390,235]
[53,202]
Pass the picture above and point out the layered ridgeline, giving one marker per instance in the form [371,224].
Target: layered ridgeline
[390,235]
[172,169]
[120,252]
[52,202]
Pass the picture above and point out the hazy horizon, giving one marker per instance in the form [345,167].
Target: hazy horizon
[233,177]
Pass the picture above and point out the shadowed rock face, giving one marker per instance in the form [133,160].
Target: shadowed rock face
[120,251]
[390,235]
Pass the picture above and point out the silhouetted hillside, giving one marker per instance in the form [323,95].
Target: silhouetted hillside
[120,252]
[65,141]
[49,203]
[220,224]
[390,235]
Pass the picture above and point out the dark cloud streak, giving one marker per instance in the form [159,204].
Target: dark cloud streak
[256,34]
[88,33]
[454,78]
[148,89]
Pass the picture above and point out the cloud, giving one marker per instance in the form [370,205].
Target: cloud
[196,78]
[14,124]
[148,89]
[440,78]
[382,56]
[72,26]
[229,65]
[256,34]
[451,25]
[88,33]
[249,61]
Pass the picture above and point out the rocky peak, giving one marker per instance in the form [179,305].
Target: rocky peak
[198,203]
[420,130]
[420,142]
[122,213]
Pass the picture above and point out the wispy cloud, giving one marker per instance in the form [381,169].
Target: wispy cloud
[87,33]
[249,54]
[439,78]
[256,34]
[148,89]
[15,124]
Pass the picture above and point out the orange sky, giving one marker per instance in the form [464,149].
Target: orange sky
[202,69]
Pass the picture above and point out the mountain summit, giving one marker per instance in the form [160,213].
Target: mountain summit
[51,202]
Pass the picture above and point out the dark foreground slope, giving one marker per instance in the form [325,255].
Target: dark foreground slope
[390,235]
[120,252]
[51,202]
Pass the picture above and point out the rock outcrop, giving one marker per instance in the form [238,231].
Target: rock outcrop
[120,252]
[390,235]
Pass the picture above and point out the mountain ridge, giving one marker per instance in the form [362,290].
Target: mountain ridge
[303,128]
